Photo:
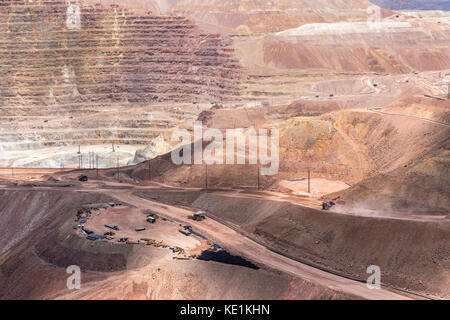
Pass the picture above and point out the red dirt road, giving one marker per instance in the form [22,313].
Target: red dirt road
[237,242]
[231,239]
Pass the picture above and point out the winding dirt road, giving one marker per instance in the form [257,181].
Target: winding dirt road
[408,116]
[251,250]
[226,236]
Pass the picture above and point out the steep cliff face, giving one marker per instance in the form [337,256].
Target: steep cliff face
[79,73]
[61,53]
[93,73]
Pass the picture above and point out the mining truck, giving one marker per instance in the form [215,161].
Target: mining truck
[327,205]
[198,216]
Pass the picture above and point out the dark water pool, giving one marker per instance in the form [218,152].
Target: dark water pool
[225,257]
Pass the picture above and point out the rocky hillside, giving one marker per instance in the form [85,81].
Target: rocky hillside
[347,145]
[58,54]
[34,264]
[79,73]
[410,190]
[68,70]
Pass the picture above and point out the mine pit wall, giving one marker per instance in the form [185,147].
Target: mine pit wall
[292,55]
[108,55]
[35,266]
[358,47]
[412,255]
[66,62]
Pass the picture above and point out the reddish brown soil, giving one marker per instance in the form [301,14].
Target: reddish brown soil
[63,246]
[360,109]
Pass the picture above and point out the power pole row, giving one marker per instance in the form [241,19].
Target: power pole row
[259,169]
[92,161]
[448,91]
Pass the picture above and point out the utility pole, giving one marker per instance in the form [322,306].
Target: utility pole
[79,149]
[448,91]
[206,176]
[118,170]
[258,176]
[309,180]
[448,86]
